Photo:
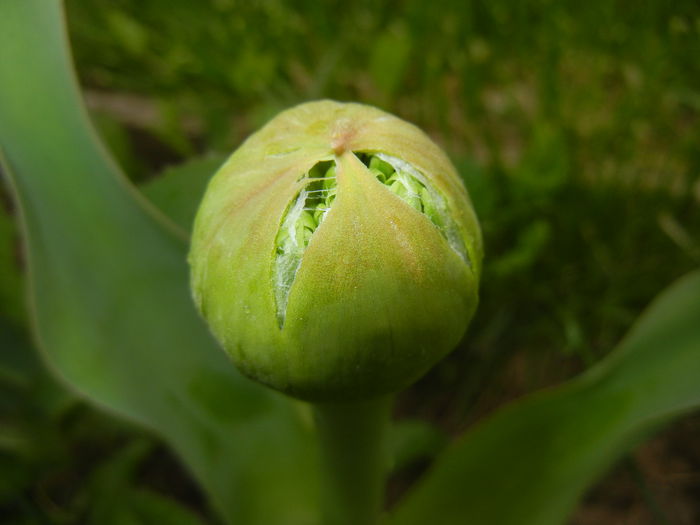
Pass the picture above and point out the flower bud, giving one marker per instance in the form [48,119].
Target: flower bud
[336,255]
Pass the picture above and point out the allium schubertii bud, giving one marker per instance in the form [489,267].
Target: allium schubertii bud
[336,254]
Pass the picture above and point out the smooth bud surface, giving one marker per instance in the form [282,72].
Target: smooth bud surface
[336,254]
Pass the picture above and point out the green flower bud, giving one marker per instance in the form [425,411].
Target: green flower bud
[336,254]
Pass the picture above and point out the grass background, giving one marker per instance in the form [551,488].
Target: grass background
[576,128]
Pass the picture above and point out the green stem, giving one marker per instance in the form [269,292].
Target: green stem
[353,459]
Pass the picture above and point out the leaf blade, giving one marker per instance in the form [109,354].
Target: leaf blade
[545,450]
[109,295]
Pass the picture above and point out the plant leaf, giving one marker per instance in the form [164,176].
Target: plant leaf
[10,277]
[109,297]
[413,440]
[531,461]
[178,191]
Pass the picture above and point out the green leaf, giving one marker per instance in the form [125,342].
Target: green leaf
[11,305]
[115,137]
[109,485]
[150,507]
[114,498]
[413,440]
[109,298]
[530,462]
[178,191]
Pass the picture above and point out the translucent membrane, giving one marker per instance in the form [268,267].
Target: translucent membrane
[309,209]
[303,217]
[413,187]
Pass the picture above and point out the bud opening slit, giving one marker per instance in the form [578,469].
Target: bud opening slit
[302,218]
[414,188]
[311,205]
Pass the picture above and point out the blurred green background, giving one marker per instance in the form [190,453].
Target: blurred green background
[576,128]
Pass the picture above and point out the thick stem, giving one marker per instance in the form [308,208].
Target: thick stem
[353,458]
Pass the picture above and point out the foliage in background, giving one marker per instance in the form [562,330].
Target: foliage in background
[576,127]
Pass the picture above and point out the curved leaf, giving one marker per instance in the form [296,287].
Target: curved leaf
[109,296]
[178,191]
[544,450]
